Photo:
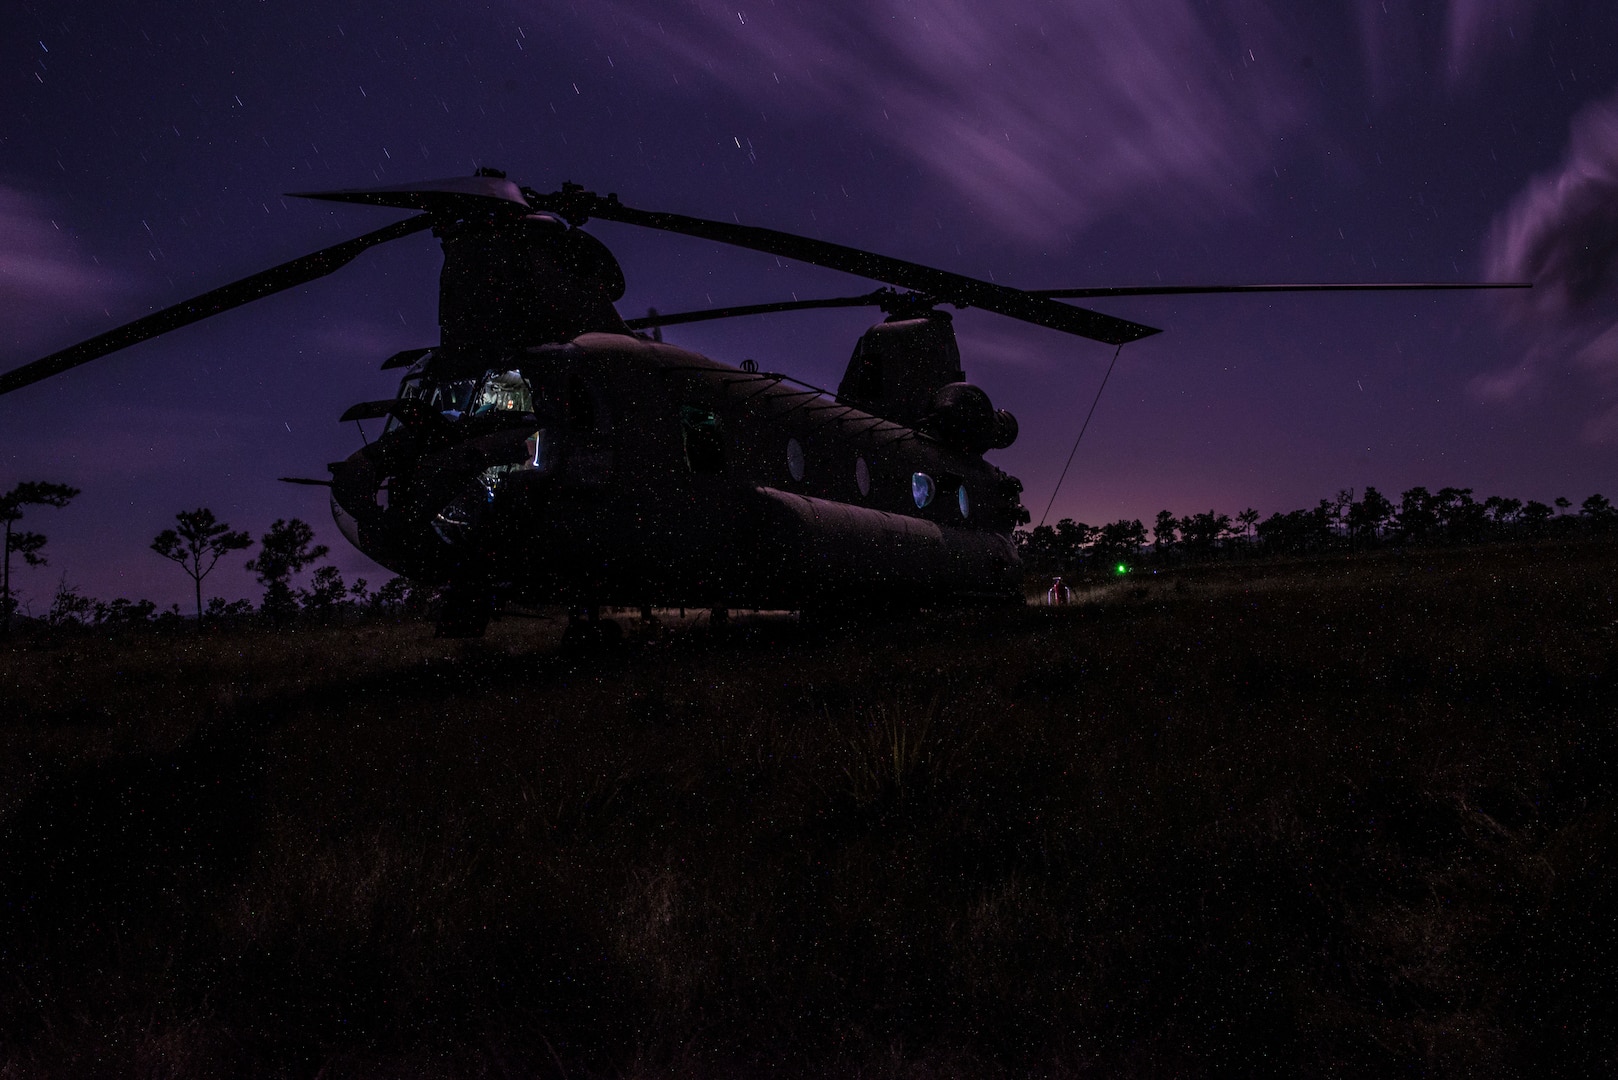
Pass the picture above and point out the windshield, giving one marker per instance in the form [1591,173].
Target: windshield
[497,391]
[445,397]
[505,391]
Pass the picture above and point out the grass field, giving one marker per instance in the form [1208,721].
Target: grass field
[1353,816]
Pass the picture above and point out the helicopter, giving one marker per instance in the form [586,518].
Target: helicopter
[548,451]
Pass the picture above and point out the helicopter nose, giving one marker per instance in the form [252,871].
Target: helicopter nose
[356,493]
[372,505]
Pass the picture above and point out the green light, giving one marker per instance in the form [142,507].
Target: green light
[1122,569]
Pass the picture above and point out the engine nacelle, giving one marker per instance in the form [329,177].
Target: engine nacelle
[899,363]
[961,416]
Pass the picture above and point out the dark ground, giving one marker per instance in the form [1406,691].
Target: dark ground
[1353,816]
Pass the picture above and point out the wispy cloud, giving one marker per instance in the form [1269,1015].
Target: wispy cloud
[1046,116]
[1479,32]
[1561,233]
[44,279]
[1040,115]
[1475,35]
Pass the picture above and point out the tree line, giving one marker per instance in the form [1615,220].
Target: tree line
[198,541]
[196,544]
[1344,523]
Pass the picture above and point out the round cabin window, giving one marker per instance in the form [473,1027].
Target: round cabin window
[921,489]
[963,502]
[795,459]
[862,476]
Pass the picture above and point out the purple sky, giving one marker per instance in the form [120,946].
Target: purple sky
[1042,144]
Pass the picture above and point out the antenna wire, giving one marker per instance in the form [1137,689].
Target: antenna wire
[1085,427]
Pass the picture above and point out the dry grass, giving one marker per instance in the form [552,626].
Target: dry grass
[1345,816]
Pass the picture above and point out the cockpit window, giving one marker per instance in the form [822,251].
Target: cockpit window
[449,398]
[410,389]
[504,391]
[497,391]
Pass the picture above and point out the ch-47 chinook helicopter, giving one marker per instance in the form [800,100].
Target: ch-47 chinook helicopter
[548,451]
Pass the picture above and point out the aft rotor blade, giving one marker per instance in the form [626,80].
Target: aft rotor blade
[873,299]
[1192,290]
[578,206]
[265,282]
[882,296]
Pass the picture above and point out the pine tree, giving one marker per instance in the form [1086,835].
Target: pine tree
[198,545]
[26,544]
[282,552]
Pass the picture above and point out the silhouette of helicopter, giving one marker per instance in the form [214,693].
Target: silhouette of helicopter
[548,451]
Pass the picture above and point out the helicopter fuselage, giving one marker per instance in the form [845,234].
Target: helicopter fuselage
[615,470]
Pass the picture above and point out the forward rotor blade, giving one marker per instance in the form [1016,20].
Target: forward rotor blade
[578,206]
[873,299]
[1191,290]
[275,279]
[452,195]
